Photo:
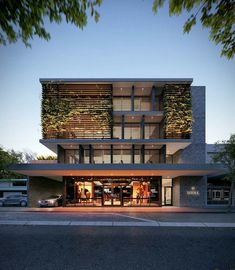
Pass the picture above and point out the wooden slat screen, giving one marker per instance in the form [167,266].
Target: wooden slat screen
[76,111]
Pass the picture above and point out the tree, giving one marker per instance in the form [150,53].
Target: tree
[7,158]
[225,154]
[24,19]
[217,15]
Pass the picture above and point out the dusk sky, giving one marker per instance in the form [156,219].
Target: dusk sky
[129,41]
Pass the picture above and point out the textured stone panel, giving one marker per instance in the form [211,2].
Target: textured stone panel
[189,191]
[196,151]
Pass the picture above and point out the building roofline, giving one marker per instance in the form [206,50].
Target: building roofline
[115,80]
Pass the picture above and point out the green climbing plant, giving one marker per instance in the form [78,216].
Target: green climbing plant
[177,111]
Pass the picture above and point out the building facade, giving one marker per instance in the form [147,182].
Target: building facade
[122,142]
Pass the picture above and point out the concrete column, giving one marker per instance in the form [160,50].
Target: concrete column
[111,154]
[123,126]
[142,125]
[142,154]
[60,154]
[133,98]
[81,154]
[133,154]
[90,154]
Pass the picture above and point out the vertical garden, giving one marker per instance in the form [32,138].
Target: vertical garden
[177,106]
[76,111]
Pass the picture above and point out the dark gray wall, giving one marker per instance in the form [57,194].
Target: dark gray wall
[189,191]
[40,188]
[196,151]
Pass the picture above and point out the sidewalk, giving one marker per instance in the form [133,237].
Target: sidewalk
[166,209]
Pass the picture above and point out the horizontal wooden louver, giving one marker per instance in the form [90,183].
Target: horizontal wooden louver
[72,111]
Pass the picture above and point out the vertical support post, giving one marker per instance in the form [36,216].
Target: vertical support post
[133,154]
[133,98]
[111,154]
[81,154]
[163,154]
[142,125]
[123,126]
[64,191]
[90,154]
[142,154]
[153,98]
[60,154]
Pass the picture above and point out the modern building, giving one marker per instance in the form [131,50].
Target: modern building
[122,142]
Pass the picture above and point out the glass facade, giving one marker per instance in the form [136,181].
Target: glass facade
[125,154]
[101,191]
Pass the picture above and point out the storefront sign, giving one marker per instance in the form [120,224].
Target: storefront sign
[193,192]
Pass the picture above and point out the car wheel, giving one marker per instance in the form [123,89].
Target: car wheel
[56,204]
[1,204]
[23,203]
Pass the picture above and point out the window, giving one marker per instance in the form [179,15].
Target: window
[142,104]
[71,156]
[117,131]
[151,156]
[151,131]
[132,131]
[122,104]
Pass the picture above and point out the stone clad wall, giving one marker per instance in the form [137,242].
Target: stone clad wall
[189,191]
[195,153]
[41,188]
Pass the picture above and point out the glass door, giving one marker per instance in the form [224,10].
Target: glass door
[112,195]
[167,195]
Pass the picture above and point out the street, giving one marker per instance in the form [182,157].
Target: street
[64,247]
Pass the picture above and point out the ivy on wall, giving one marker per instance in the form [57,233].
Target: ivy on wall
[177,106]
[73,114]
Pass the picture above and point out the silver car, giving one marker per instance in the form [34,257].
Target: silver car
[53,200]
[19,200]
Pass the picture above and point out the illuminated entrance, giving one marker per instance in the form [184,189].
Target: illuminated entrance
[103,191]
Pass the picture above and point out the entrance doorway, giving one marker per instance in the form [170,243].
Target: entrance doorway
[112,195]
[167,195]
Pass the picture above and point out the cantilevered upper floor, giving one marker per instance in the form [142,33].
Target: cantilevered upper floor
[116,108]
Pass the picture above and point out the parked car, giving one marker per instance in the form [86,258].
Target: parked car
[19,200]
[53,200]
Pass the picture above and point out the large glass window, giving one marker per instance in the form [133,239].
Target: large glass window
[117,131]
[132,131]
[101,156]
[142,104]
[122,104]
[71,156]
[121,156]
[151,156]
[137,156]
[151,131]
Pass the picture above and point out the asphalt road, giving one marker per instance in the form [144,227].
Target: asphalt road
[75,248]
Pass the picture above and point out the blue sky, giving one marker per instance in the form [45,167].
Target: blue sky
[128,41]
